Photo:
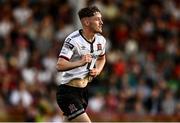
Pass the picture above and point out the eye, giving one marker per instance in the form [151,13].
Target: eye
[99,19]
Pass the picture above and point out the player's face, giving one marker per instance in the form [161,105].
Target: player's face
[95,23]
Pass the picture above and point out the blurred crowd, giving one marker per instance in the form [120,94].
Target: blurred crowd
[141,75]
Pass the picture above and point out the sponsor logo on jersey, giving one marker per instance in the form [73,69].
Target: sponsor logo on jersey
[68,44]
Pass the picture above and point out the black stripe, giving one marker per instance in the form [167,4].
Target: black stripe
[64,57]
[76,115]
[74,36]
[80,32]
[92,50]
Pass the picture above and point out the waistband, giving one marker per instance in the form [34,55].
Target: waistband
[80,83]
[64,86]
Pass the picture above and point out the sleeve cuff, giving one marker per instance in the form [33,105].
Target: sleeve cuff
[64,57]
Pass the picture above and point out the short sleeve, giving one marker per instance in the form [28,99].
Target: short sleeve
[67,49]
[103,47]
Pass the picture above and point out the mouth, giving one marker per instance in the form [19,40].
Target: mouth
[100,27]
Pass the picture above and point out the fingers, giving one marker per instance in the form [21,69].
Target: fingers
[93,72]
[87,58]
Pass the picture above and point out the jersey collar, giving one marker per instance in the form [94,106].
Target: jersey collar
[80,32]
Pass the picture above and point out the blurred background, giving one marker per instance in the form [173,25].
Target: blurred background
[141,79]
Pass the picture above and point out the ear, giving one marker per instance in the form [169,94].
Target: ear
[85,22]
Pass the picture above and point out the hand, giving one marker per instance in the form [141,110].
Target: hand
[94,72]
[86,59]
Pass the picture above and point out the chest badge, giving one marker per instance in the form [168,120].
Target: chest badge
[99,47]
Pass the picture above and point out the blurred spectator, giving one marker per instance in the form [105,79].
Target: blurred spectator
[96,103]
[63,30]
[45,32]
[49,61]
[22,12]
[110,10]
[139,108]
[21,96]
[177,109]
[131,47]
[168,103]
[32,28]
[153,102]
[5,26]
[29,73]
[173,7]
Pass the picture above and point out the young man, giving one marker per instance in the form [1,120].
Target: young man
[82,58]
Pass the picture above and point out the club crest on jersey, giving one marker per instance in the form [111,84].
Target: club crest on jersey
[72,108]
[99,47]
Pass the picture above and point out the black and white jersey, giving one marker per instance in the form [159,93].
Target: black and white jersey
[75,45]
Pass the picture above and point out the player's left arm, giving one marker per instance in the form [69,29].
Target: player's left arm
[100,62]
[99,66]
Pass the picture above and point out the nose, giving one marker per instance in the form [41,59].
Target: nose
[101,21]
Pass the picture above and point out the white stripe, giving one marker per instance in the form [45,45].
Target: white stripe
[72,115]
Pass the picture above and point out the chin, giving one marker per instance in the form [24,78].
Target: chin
[98,31]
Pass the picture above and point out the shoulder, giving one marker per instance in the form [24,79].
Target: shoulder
[73,35]
[100,37]
[71,38]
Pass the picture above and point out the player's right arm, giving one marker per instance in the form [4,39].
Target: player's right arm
[64,63]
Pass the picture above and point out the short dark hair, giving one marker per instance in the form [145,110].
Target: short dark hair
[88,11]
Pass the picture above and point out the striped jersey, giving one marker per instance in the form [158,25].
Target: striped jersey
[75,45]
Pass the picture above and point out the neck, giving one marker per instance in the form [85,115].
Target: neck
[88,35]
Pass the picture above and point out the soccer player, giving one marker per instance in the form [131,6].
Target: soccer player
[81,58]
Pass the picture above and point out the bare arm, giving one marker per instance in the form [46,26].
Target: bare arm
[64,65]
